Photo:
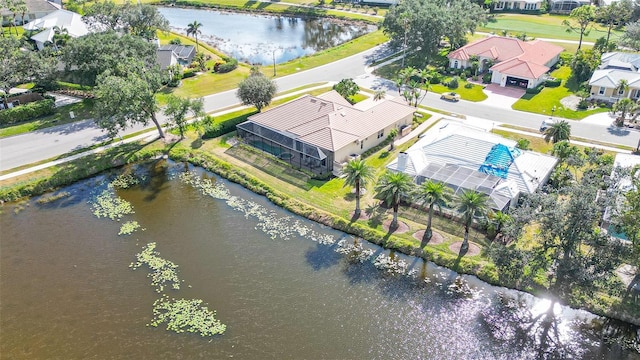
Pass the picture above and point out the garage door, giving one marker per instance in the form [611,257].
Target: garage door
[513,81]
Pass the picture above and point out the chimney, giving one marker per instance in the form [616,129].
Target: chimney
[402,160]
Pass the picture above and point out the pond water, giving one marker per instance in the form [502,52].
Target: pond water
[258,39]
[275,280]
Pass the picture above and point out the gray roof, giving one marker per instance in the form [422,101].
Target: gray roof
[183,52]
[164,58]
[452,147]
[35,6]
[610,78]
[620,60]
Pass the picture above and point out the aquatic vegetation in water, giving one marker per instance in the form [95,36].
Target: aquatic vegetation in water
[109,205]
[186,315]
[124,181]
[355,252]
[269,222]
[392,266]
[129,228]
[51,198]
[162,271]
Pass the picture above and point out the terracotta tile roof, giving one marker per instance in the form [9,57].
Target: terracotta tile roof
[515,57]
[331,124]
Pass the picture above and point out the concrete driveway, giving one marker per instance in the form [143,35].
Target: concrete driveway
[502,97]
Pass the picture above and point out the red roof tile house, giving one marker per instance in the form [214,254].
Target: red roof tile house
[515,62]
[319,133]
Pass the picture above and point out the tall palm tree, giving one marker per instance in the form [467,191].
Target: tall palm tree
[358,175]
[500,219]
[559,131]
[471,204]
[434,194]
[390,188]
[194,29]
[622,87]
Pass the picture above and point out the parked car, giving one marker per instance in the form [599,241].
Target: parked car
[546,123]
[451,96]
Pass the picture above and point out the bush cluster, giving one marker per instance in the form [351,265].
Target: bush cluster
[230,64]
[224,127]
[535,90]
[27,112]
[553,82]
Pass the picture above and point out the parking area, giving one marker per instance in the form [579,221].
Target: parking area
[503,97]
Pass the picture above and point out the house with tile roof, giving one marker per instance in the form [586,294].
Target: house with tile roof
[513,62]
[320,133]
[616,66]
[469,158]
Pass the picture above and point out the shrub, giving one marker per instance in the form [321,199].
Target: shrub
[453,83]
[436,78]
[188,73]
[468,85]
[535,90]
[583,104]
[213,130]
[229,65]
[27,112]
[553,82]
[565,58]
[486,78]
[175,41]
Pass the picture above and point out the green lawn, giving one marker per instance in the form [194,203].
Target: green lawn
[543,102]
[541,26]
[473,94]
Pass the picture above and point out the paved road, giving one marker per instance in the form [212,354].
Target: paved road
[44,144]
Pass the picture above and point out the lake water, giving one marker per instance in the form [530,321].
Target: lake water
[275,280]
[257,39]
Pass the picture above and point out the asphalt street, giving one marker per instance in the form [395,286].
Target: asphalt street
[44,144]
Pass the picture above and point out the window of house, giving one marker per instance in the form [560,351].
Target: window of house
[381,134]
[601,90]
[455,64]
[621,92]
[635,93]
[361,145]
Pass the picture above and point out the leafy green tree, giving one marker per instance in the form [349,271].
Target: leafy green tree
[583,17]
[91,55]
[584,64]
[358,174]
[144,20]
[256,90]
[629,217]
[391,187]
[105,15]
[127,96]
[471,204]
[453,20]
[346,88]
[615,14]
[178,109]
[194,29]
[499,219]
[563,150]
[559,131]
[523,144]
[631,36]
[18,66]
[433,193]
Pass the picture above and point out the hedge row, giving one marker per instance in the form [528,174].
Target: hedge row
[27,112]
[225,127]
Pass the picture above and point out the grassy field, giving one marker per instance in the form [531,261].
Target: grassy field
[473,94]
[548,98]
[82,110]
[541,26]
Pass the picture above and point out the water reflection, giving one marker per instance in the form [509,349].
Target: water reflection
[258,39]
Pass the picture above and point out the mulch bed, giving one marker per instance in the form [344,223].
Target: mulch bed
[436,238]
[472,251]
[401,229]
[363,215]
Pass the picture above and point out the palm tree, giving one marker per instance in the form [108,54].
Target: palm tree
[559,131]
[379,95]
[435,194]
[23,10]
[60,37]
[194,29]
[358,175]
[392,137]
[622,87]
[499,219]
[471,204]
[624,107]
[390,188]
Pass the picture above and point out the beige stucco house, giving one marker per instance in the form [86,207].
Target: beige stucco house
[614,67]
[320,133]
[519,5]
